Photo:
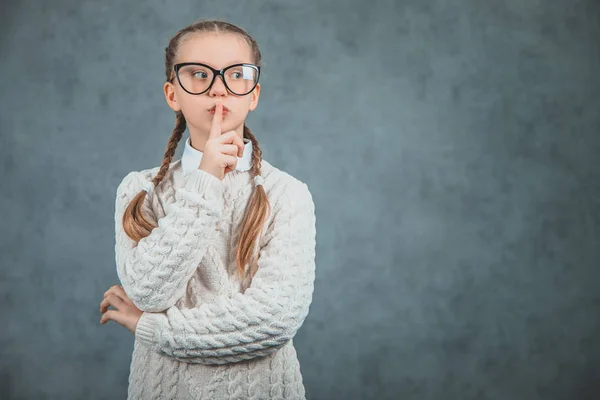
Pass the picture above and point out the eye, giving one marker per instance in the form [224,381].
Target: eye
[199,74]
[236,74]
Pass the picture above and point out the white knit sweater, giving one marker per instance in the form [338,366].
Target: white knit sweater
[204,333]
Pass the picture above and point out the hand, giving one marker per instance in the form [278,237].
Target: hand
[126,313]
[221,150]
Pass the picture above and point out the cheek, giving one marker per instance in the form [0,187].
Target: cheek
[194,108]
[189,102]
[242,108]
[236,117]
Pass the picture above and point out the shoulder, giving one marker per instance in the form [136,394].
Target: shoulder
[134,181]
[285,190]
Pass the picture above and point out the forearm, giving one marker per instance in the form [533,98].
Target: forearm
[209,352]
[155,271]
[260,320]
[216,340]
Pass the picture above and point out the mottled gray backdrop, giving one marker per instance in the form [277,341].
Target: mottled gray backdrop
[451,148]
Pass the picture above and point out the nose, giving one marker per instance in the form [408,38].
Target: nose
[218,87]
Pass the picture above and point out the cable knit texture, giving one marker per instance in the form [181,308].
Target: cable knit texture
[204,332]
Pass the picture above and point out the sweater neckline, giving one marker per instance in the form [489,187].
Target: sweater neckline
[229,177]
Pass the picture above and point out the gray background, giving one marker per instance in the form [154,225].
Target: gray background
[451,149]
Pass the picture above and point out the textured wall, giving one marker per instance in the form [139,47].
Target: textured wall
[451,149]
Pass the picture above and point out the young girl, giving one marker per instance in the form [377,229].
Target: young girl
[216,251]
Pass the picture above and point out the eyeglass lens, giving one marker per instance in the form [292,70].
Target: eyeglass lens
[196,78]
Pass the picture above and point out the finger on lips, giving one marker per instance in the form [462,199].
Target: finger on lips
[215,129]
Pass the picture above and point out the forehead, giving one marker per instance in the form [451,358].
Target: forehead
[215,49]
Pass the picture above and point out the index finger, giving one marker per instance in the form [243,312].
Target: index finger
[215,128]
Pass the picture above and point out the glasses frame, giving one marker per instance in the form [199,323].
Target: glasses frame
[216,72]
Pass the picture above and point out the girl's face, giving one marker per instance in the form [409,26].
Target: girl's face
[218,50]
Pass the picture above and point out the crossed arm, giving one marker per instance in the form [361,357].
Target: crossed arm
[262,319]
[155,271]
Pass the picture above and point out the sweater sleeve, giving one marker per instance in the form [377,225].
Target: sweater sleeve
[263,318]
[154,272]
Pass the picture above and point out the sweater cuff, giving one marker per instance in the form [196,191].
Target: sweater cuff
[200,181]
[147,330]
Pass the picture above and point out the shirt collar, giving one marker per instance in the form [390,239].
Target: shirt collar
[191,157]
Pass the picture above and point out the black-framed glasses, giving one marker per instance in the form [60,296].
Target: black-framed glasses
[197,78]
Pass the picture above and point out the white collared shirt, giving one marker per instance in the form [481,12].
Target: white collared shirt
[191,157]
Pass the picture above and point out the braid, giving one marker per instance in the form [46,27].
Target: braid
[134,223]
[255,215]
[180,125]
[256,152]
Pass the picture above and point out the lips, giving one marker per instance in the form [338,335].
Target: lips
[213,108]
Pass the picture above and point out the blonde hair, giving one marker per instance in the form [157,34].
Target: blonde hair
[256,213]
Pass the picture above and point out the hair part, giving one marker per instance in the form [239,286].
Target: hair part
[136,226]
